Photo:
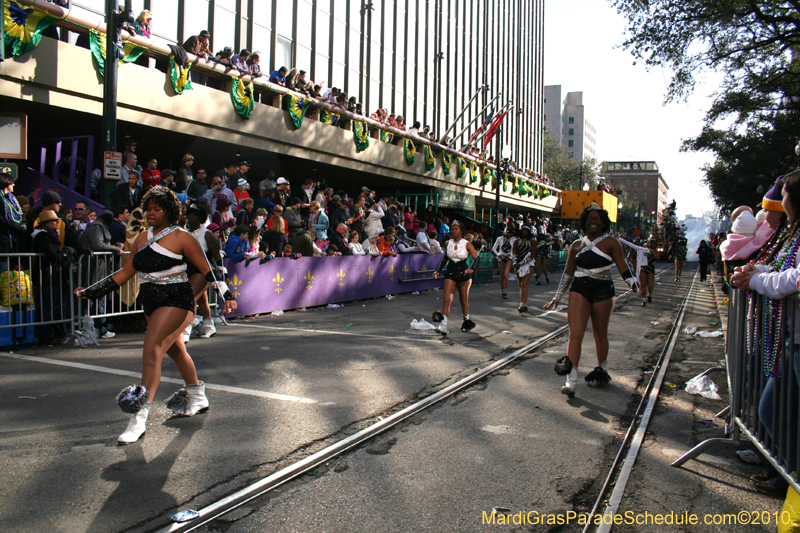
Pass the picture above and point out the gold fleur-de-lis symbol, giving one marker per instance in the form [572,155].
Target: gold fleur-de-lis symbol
[370,273]
[391,272]
[236,284]
[309,278]
[278,279]
[405,272]
[341,275]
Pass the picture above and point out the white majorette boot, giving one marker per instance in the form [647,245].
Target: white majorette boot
[136,426]
[189,400]
[187,333]
[207,328]
[572,380]
[443,326]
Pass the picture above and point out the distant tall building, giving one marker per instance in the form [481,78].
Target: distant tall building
[566,121]
[552,111]
[641,180]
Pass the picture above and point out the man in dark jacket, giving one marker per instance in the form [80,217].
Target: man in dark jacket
[51,287]
[129,194]
[339,214]
[292,217]
[303,244]
[119,225]
[339,238]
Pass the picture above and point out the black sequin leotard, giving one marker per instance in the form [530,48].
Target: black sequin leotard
[593,272]
[162,274]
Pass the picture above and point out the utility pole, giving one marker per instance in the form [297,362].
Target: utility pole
[114,23]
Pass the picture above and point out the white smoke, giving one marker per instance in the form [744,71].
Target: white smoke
[697,229]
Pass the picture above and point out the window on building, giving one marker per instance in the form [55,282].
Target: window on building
[635,183]
[571,144]
[635,195]
[572,120]
[628,183]
[571,131]
[644,195]
[644,183]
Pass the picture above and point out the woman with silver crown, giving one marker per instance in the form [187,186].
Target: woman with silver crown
[524,257]
[587,279]
[502,251]
[457,275]
[160,257]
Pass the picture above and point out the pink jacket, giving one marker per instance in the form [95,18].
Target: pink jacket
[740,247]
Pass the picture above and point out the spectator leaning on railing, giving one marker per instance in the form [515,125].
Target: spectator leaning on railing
[12,224]
[775,275]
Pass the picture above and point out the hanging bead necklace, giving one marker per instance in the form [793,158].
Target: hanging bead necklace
[773,316]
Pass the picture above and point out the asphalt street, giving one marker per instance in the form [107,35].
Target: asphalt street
[283,387]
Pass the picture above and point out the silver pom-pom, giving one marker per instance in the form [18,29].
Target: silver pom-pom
[132,398]
[178,403]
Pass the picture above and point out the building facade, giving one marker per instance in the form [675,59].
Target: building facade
[552,111]
[565,120]
[642,181]
[422,59]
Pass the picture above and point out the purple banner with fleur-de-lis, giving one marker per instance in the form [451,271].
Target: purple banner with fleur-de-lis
[282,284]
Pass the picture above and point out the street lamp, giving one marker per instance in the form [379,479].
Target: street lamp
[504,165]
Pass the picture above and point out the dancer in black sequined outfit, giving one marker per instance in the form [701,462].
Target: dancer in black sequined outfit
[591,295]
[160,257]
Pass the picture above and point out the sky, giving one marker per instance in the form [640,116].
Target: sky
[623,101]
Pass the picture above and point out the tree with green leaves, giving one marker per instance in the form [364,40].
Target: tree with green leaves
[564,170]
[756,46]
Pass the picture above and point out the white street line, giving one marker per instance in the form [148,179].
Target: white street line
[234,324]
[137,375]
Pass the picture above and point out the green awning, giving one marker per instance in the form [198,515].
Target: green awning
[455,199]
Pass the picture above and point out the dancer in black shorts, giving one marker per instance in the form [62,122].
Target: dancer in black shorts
[456,276]
[160,258]
[587,278]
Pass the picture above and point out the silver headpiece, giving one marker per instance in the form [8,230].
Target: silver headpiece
[594,207]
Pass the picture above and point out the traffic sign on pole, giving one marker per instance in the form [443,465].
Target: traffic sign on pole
[112,167]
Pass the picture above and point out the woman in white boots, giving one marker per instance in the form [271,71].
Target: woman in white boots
[591,294]
[168,300]
[456,276]
[502,251]
[524,259]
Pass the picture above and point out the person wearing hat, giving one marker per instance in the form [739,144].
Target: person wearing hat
[587,280]
[51,280]
[12,223]
[292,216]
[97,236]
[241,172]
[339,213]
[523,256]
[502,249]
[68,235]
[457,275]
[198,45]
[240,192]
[284,191]
[774,274]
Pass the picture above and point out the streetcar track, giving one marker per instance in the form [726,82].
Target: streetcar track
[638,427]
[293,471]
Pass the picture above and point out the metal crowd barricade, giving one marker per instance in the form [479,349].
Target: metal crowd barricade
[96,266]
[33,293]
[769,423]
